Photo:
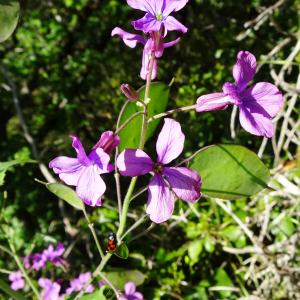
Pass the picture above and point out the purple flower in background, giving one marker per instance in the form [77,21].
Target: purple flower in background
[17,281]
[158,15]
[167,183]
[54,255]
[50,289]
[153,44]
[78,284]
[258,104]
[130,292]
[38,260]
[85,170]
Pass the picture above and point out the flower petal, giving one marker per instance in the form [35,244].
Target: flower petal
[244,69]
[18,284]
[134,162]
[81,155]
[69,169]
[160,203]
[172,43]
[254,120]
[171,5]
[129,39]
[184,182]
[144,5]
[172,24]
[129,288]
[108,141]
[266,95]
[147,23]
[170,141]
[90,186]
[101,159]
[214,101]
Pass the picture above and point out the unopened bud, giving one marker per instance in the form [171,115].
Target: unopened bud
[129,92]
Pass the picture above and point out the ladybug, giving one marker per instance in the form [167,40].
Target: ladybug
[112,242]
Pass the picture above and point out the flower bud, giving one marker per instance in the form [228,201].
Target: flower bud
[129,92]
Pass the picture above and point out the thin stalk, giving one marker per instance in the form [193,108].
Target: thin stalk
[91,226]
[128,121]
[173,111]
[135,225]
[117,293]
[22,269]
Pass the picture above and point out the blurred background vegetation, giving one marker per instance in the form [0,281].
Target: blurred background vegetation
[67,70]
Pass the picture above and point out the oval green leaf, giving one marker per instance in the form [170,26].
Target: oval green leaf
[120,277]
[158,100]
[9,16]
[230,171]
[122,251]
[97,295]
[65,193]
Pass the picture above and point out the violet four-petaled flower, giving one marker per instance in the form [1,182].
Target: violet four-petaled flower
[17,281]
[130,292]
[158,15]
[50,290]
[258,104]
[85,170]
[167,182]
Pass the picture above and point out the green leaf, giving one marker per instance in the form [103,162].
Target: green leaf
[120,277]
[130,135]
[9,16]
[6,289]
[97,295]
[65,193]
[230,171]
[195,249]
[122,251]
[222,279]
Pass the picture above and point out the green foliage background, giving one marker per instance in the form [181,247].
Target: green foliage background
[67,70]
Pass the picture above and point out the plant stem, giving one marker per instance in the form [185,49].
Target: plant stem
[173,111]
[117,293]
[141,146]
[91,226]
[128,121]
[131,187]
[22,269]
[135,225]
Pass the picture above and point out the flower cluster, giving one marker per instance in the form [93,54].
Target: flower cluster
[38,261]
[155,24]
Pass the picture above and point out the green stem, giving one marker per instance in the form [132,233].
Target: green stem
[173,111]
[91,226]
[22,269]
[141,146]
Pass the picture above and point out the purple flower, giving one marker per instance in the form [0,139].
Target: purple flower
[54,255]
[258,104]
[38,261]
[130,292]
[50,289]
[153,44]
[84,171]
[167,183]
[17,281]
[78,284]
[158,15]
